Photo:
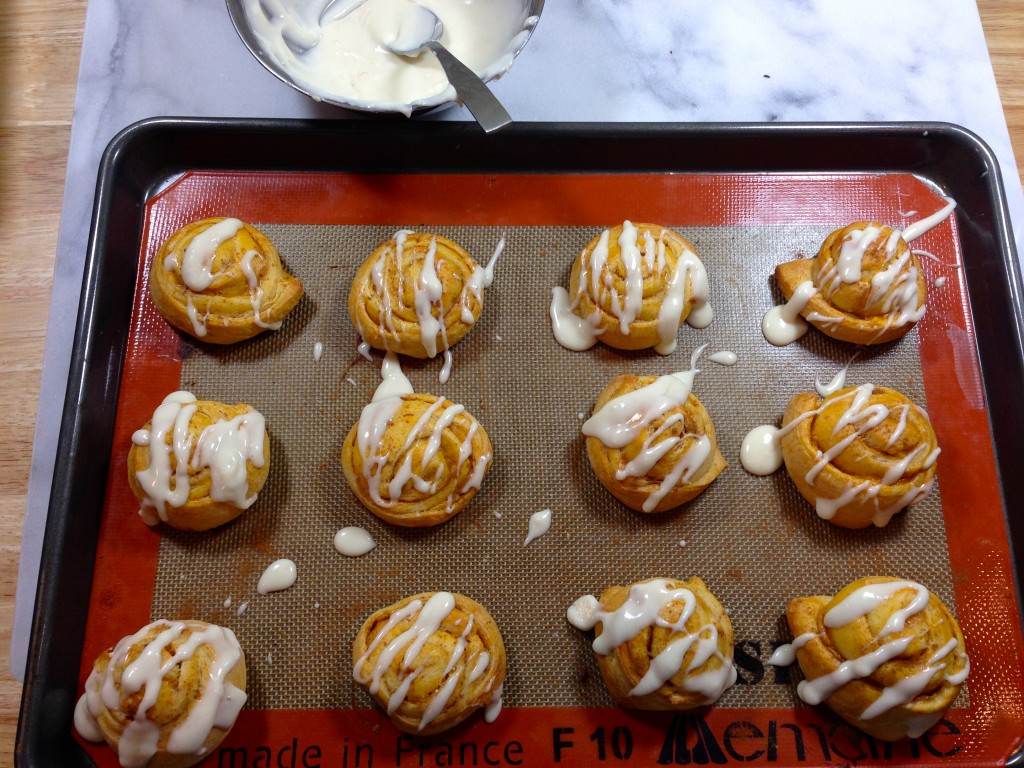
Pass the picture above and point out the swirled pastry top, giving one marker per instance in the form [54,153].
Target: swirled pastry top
[168,693]
[860,455]
[865,286]
[198,463]
[431,660]
[651,442]
[884,653]
[661,643]
[414,459]
[418,294]
[222,280]
[631,287]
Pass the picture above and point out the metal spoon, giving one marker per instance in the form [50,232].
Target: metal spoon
[420,29]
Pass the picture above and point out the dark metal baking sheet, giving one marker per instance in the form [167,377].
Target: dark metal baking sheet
[147,156]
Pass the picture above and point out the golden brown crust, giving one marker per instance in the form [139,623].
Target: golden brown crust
[383,299]
[902,443]
[453,474]
[626,665]
[200,511]
[224,311]
[474,679]
[636,492]
[932,631]
[642,332]
[854,311]
[181,689]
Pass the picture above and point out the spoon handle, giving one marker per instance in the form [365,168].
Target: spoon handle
[477,97]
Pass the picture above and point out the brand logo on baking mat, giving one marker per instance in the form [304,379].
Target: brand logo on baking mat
[691,740]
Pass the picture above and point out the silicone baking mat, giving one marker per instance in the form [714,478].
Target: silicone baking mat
[753,540]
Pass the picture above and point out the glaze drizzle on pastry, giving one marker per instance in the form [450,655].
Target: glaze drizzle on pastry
[427,618]
[375,419]
[224,448]
[124,686]
[643,609]
[222,280]
[418,294]
[891,643]
[894,290]
[642,259]
[627,417]
[414,459]
[761,453]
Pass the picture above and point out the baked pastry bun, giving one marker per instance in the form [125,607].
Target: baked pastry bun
[415,460]
[417,294]
[885,654]
[860,455]
[660,644]
[651,442]
[166,696]
[431,661]
[631,287]
[865,286]
[197,464]
[221,280]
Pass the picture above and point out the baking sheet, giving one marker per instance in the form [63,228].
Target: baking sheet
[733,530]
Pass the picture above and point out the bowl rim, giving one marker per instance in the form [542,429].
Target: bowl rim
[236,12]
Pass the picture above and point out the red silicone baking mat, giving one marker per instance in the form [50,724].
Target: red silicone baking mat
[728,213]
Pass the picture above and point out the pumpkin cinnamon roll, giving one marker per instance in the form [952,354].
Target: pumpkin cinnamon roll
[166,696]
[651,442]
[860,455]
[415,460]
[865,286]
[197,464]
[417,294]
[431,661]
[884,654]
[631,287]
[660,644]
[222,280]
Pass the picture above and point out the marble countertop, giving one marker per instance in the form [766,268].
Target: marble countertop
[593,60]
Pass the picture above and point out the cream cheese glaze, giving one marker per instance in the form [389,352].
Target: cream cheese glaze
[641,259]
[859,604]
[893,289]
[279,575]
[353,541]
[625,417]
[642,609]
[224,448]
[426,620]
[428,295]
[761,453]
[374,421]
[540,523]
[217,706]
[343,54]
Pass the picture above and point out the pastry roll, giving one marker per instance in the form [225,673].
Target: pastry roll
[431,661]
[631,287]
[415,460]
[886,655]
[660,644]
[166,696]
[222,281]
[860,455]
[865,286]
[197,463]
[417,294]
[651,442]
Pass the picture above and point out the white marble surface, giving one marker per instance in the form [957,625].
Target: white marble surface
[589,60]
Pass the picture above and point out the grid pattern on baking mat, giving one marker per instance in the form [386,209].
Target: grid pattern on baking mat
[754,540]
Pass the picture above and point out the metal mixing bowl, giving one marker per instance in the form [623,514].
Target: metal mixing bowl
[252,41]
